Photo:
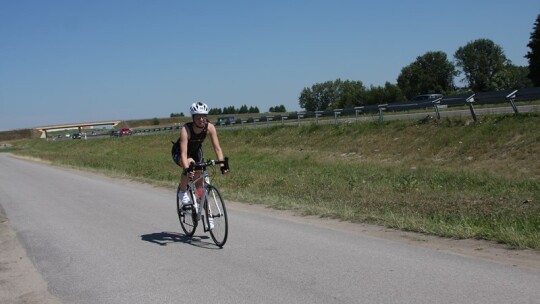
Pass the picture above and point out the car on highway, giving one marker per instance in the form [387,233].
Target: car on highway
[125,131]
[426,97]
[76,136]
[115,133]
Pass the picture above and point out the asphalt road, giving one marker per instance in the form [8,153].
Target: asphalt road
[95,239]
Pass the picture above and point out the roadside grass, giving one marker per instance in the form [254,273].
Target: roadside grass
[451,178]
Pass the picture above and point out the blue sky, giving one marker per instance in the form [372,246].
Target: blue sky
[67,61]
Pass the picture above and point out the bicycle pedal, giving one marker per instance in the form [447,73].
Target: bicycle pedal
[186,208]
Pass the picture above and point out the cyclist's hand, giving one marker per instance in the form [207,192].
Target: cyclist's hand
[189,172]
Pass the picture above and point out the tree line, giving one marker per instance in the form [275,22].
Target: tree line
[481,64]
[244,109]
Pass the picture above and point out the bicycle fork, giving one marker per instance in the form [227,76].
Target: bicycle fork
[199,204]
[204,205]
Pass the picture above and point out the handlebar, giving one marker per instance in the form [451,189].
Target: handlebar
[203,165]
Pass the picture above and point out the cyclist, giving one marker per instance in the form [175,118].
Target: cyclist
[191,138]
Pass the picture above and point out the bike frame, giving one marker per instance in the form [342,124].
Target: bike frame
[209,207]
[201,203]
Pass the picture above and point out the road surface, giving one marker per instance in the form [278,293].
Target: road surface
[94,239]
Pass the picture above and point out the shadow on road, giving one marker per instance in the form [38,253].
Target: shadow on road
[164,238]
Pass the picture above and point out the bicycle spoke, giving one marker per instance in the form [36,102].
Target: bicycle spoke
[217,210]
[186,217]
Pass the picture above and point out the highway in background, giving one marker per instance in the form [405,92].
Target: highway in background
[419,116]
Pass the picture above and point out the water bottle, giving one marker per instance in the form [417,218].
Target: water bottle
[200,192]
[206,178]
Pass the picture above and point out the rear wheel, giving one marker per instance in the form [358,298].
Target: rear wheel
[217,213]
[186,215]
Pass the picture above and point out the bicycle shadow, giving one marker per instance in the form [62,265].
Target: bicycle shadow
[164,238]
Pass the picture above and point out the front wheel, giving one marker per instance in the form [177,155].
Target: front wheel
[216,213]
[186,215]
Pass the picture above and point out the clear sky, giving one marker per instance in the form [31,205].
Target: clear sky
[68,61]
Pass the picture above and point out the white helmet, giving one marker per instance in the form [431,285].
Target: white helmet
[199,108]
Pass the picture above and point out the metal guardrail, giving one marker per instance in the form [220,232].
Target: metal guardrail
[377,111]
[467,99]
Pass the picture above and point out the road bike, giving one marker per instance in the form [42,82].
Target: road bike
[207,205]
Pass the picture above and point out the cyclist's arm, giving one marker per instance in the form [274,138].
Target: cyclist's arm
[215,141]
[183,148]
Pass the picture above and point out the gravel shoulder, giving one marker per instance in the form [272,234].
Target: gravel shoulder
[20,282]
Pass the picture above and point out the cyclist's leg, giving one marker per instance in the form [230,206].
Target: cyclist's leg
[184,180]
[199,157]
[182,194]
[186,215]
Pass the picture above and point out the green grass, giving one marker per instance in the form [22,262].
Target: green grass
[451,179]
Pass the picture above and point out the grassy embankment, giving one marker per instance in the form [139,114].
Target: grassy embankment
[451,179]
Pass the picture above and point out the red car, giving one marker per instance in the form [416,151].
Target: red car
[125,132]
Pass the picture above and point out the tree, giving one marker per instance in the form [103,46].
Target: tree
[393,93]
[388,93]
[480,61]
[534,54]
[348,93]
[307,100]
[243,109]
[430,73]
[253,110]
[332,95]
[512,77]
[320,97]
[278,109]
[229,110]
[214,111]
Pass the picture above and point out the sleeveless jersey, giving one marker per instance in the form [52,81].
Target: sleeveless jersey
[195,141]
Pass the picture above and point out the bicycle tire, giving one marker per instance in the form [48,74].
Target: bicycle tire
[216,206]
[186,215]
